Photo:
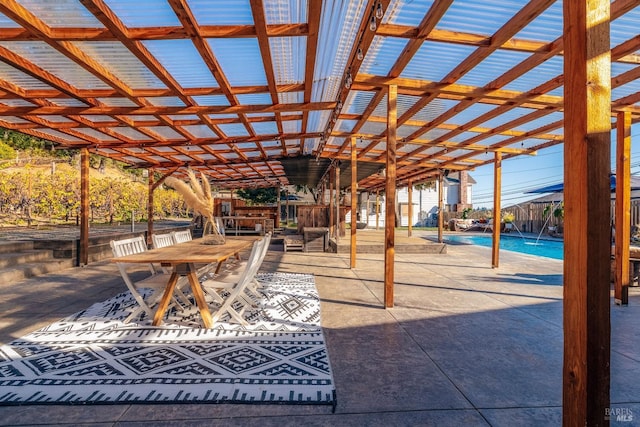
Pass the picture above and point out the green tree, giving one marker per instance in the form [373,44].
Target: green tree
[259,195]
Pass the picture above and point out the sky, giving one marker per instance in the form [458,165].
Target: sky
[524,173]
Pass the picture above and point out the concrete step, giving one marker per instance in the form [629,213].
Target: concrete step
[16,246]
[11,259]
[31,269]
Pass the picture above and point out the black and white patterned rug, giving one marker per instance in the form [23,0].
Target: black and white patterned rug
[93,357]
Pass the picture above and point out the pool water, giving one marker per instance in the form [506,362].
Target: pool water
[546,248]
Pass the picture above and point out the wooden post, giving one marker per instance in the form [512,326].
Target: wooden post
[390,195]
[587,193]
[410,210]
[83,256]
[377,209]
[150,189]
[354,200]
[331,207]
[338,223]
[440,206]
[277,225]
[623,207]
[497,189]
[286,206]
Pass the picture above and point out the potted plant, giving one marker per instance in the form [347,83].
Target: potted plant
[558,213]
[508,218]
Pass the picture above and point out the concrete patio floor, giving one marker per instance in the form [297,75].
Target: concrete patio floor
[464,345]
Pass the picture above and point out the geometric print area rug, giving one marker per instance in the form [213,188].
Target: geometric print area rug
[92,357]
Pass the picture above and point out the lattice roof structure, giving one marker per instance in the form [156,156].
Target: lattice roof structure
[234,88]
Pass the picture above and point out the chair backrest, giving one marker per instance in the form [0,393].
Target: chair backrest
[133,245]
[182,236]
[163,240]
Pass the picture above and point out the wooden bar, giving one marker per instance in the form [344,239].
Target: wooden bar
[440,206]
[150,189]
[84,207]
[337,202]
[623,208]
[390,195]
[331,206]
[587,245]
[497,190]
[278,215]
[354,200]
[410,209]
[377,209]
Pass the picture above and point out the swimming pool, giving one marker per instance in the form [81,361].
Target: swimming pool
[546,248]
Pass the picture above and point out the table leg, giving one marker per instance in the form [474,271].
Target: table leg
[166,298]
[199,297]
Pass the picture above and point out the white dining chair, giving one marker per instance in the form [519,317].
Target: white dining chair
[156,282]
[182,236]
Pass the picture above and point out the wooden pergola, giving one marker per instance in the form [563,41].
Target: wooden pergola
[232,89]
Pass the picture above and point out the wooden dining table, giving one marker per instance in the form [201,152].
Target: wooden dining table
[183,258]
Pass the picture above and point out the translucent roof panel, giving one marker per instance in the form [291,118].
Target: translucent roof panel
[288,56]
[479,16]
[357,102]
[211,100]
[144,13]
[117,102]
[165,132]
[265,128]
[470,113]
[290,97]
[120,62]
[62,13]
[60,135]
[382,55]
[493,66]
[546,27]
[200,131]
[292,126]
[506,117]
[20,79]
[408,13]
[286,11]
[240,60]
[166,101]
[318,121]
[174,54]
[67,102]
[434,61]
[93,134]
[534,124]
[254,98]
[338,30]
[207,12]
[48,58]
[5,22]
[541,74]
[131,134]
[16,102]
[625,27]
[233,129]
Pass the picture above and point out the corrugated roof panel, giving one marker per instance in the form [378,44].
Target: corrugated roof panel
[62,13]
[285,11]
[236,12]
[120,62]
[164,149]
[405,130]
[118,102]
[292,126]
[67,102]
[166,101]
[345,125]
[373,128]
[357,101]
[130,133]
[505,117]
[131,159]
[470,113]
[46,57]
[13,120]
[55,119]
[549,118]
[15,102]
[233,129]
[142,118]
[92,133]
[211,100]
[541,74]
[240,60]
[5,22]
[288,57]
[20,79]
[174,55]
[318,120]
[625,27]
[479,16]
[144,13]
[99,119]
[200,131]
[165,132]
[382,54]
[410,13]
[493,66]
[265,128]
[254,98]
[434,61]
[546,27]
[338,29]
[290,97]
[61,135]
